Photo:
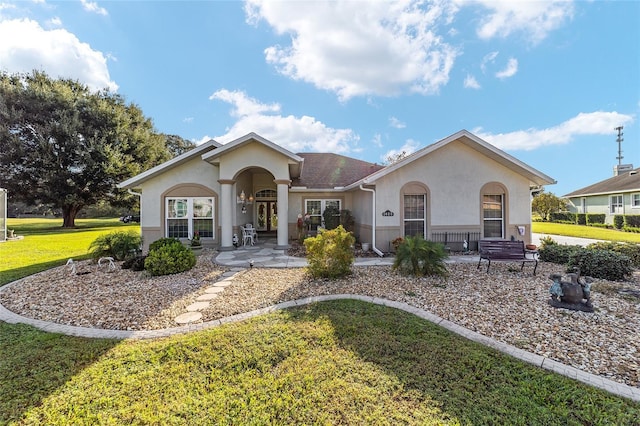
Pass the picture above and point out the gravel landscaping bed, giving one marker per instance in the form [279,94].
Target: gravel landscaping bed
[506,305]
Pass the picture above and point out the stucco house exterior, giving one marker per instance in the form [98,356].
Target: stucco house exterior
[618,195]
[458,184]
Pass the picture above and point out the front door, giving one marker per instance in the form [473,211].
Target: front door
[267,216]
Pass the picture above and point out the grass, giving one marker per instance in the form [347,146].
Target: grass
[339,362]
[584,232]
[46,244]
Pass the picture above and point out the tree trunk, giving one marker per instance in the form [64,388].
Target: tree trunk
[69,215]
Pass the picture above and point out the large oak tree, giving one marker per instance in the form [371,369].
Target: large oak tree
[64,145]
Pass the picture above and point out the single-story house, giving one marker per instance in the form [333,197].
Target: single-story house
[617,195]
[459,184]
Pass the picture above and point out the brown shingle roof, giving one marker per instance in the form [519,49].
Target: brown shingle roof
[625,182]
[326,170]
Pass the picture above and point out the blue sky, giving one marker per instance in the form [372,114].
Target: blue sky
[545,81]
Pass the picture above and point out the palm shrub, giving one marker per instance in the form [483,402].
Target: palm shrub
[330,253]
[169,258]
[419,257]
[120,245]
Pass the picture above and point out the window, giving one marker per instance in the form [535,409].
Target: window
[188,215]
[615,204]
[415,215]
[315,208]
[583,203]
[493,216]
[635,200]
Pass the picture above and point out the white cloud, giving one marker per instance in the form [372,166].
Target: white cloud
[409,147]
[297,134]
[93,7]
[394,122]
[377,140]
[536,19]
[55,22]
[360,49]
[489,58]
[188,120]
[470,82]
[27,46]
[510,70]
[591,123]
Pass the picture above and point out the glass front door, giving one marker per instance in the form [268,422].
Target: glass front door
[266,216]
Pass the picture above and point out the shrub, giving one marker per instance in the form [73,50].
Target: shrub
[632,220]
[120,245]
[563,217]
[329,253]
[168,259]
[631,229]
[628,249]
[547,241]
[419,257]
[162,242]
[331,216]
[557,253]
[593,218]
[134,263]
[347,220]
[618,221]
[581,218]
[604,264]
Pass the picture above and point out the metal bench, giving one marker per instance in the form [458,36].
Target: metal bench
[505,251]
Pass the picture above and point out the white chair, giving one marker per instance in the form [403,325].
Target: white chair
[253,231]
[247,236]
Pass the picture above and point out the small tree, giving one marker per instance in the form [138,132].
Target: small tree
[546,203]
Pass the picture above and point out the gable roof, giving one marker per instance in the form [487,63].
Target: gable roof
[168,165]
[625,182]
[328,170]
[536,177]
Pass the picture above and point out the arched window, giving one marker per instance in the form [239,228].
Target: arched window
[493,210]
[414,209]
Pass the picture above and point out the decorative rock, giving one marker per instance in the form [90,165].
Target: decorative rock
[189,317]
[197,306]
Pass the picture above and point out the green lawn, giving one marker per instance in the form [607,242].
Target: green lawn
[584,232]
[342,362]
[46,244]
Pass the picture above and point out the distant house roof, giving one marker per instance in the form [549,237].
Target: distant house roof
[327,170]
[625,182]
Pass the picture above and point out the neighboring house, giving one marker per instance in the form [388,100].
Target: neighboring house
[459,184]
[618,195]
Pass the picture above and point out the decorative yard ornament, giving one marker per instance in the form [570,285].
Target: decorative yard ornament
[574,294]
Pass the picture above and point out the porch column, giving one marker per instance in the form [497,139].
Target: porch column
[227,200]
[283,213]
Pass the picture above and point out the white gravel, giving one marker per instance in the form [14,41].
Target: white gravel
[508,306]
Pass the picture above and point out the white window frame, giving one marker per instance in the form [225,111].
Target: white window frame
[422,219]
[635,200]
[190,216]
[323,206]
[492,219]
[618,204]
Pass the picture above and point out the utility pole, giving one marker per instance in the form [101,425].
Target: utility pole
[619,139]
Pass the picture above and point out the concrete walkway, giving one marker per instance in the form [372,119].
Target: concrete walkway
[265,255]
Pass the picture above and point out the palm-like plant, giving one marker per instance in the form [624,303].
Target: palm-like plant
[419,257]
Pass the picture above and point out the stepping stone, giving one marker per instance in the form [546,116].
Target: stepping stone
[206,296]
[197,306]
[188,317]
[223,283]
[214,290]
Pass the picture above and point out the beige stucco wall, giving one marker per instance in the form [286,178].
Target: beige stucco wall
[191,176]
[253,154]
[454,176]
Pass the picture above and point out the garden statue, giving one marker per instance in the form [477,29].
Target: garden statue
[574,294]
